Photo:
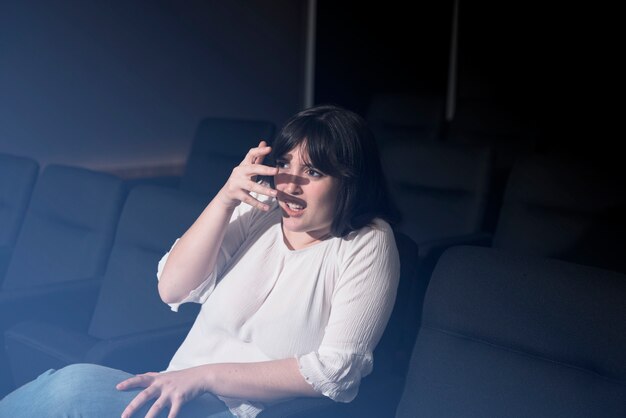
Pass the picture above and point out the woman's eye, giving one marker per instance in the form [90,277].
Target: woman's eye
[314,173]
[281,164]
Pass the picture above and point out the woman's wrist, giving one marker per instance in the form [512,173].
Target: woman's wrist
[209,378]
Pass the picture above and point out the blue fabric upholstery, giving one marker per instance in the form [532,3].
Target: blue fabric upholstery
[404,117]
[68,229]
[567,208]
[17,178]
[518,336]
[218,146]
[442,192]
[130,327]
[61,250]
[129,301]
[440,189]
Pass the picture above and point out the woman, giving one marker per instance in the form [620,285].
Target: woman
[296,285]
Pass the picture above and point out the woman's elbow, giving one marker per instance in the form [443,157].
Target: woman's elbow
[168,294]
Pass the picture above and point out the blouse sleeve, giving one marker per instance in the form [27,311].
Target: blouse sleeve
[236,233]
[361,305]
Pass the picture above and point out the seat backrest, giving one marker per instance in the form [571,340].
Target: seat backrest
[566,208]
[394,349]
[440,189]
[68,228]
[494,124]
[401,117]
[218,146]
[518,336]
[17,178]
[152,218]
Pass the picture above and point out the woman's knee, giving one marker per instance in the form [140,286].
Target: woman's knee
[81,390]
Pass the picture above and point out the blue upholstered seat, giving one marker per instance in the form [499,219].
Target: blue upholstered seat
[218,146]
[62,249]
[565,207]
[506,335]
[130,328]
[17,179]
[405,117]
[440,189]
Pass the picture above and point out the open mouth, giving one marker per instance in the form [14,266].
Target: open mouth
[292,208]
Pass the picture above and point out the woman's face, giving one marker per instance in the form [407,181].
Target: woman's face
[306,197]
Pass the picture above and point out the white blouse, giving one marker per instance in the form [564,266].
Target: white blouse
[327,304]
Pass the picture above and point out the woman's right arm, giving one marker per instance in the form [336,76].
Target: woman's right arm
[194,257]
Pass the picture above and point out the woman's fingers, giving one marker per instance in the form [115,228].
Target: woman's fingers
[256,155]
[143,397]
[174,410]
[260,189]
[241,181]
[157,407]
[141,380]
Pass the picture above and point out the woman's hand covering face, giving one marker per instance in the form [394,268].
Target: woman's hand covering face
[242,180]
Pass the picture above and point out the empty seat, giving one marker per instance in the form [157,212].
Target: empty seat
[565,207]
[218,146]
[130,328]
[506,335]
[17,178]
[63,246]
[401,117]
[440,189]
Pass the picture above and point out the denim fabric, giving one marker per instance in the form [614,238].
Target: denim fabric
[88,390]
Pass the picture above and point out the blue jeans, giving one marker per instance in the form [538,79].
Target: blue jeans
[88,390]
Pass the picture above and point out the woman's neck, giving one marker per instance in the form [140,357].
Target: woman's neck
[299,240]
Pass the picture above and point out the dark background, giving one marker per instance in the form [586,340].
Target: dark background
[117,85]
[554,66]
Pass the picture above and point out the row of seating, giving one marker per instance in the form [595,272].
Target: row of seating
[114,317]
[79,334]
[557,206]
[504,335]
[58,229]
[84,262]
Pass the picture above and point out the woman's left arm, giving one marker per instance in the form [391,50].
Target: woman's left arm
[261,381]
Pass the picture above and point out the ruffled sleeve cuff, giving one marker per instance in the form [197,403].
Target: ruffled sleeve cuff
[335,375]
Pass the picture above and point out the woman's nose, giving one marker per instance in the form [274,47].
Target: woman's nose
[292,185]
[289,183]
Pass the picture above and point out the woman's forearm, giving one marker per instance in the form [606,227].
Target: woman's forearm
[261,381]
[194,256]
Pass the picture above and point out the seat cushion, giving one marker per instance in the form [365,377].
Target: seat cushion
[518,336]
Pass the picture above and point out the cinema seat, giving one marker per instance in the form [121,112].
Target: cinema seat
[219,145]
[565,207]
[130,327]
[61,250]
[17,179]
[507,335]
